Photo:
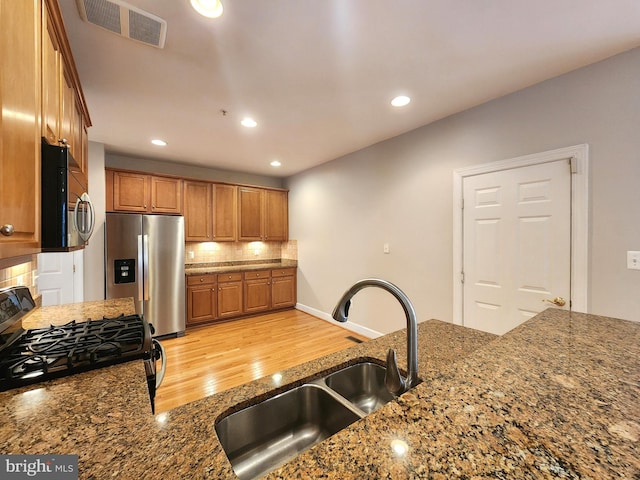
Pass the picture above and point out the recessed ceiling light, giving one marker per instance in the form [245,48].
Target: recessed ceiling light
[248,122]
[400,101]
[207,8]
[275,163]
[160,143]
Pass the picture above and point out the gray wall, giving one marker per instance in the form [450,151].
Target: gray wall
[190,171]
[400,192]
[94,251]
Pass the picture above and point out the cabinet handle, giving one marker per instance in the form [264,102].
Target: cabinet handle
[202,279]
[7,230]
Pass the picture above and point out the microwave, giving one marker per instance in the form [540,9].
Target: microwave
[68,218]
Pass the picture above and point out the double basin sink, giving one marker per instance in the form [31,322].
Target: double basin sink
[264,436]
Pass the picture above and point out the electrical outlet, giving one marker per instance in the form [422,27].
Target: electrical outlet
[633,260]
[385,248]
[191,254]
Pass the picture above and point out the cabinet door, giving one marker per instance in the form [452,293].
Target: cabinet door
[225,213]
[283,291]
[276,219]
[257,291]
[68,111]
[250,213]
[166,195]
[50,81]
[197,211]
[76,137]
[201,304]
[20,130]
[130,192]
[229,299]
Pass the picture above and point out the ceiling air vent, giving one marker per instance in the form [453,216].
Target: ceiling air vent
[124,19]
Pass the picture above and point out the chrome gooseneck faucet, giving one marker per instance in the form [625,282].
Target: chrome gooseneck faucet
[394,382]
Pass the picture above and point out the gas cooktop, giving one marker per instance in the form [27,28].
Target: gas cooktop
[42,354]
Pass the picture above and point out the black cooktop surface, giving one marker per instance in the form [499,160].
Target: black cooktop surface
[46,353]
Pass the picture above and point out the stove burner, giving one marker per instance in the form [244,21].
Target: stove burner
[45,353]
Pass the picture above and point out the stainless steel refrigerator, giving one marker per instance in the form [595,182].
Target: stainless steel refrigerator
[144,257]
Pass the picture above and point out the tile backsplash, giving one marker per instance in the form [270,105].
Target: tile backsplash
[22,274]
[211,252]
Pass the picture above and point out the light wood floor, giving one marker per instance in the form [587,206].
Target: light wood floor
[214,358]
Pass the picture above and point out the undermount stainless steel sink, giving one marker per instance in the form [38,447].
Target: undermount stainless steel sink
[264,436]
[261,437]
[362,384]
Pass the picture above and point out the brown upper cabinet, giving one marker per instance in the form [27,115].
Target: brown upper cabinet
[166,195]
[64,115]
[50,80]
[197,211]
[142,193]
[37,60]
[213,212]
[262,214]
[209,212]
[20,84]
[225,217]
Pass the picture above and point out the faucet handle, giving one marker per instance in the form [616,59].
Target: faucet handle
[392,378]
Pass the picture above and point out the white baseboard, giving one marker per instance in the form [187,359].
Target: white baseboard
[354,327]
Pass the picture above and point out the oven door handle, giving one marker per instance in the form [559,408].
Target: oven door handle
[163,356]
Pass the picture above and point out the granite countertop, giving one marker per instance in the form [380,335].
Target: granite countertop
[558,397]
[228,267]
[61,314]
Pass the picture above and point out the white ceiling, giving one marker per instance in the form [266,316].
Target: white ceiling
[318,75]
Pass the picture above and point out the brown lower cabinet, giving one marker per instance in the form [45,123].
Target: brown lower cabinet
[283,288]
[212,297]
[201,299]
[229,295]
[257,291]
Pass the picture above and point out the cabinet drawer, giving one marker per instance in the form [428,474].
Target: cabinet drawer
[283,272]
[201,279]
[257,274]
[229,277]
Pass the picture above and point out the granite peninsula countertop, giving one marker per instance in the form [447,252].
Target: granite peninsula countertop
[228,267]
[558,397]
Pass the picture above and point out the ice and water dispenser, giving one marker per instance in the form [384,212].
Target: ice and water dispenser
[124,270]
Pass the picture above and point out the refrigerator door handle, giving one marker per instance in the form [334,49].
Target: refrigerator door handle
[146,266]
[140,277]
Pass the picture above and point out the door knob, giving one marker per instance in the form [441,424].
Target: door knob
[558,301]
[7,230]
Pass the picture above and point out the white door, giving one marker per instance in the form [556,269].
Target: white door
[516,244]
[60,277]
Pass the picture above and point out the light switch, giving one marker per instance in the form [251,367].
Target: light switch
[385,248]
[633,260]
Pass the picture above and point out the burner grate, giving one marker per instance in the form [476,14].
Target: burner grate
[55,351]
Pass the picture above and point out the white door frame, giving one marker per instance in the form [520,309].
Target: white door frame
[579,155]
